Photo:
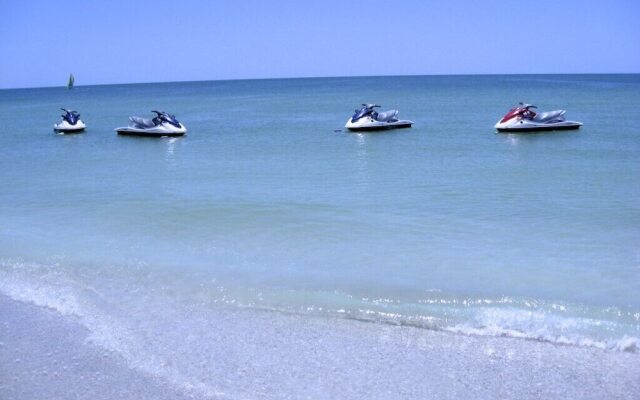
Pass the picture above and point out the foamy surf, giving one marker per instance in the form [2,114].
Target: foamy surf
[223,351]
[101,308]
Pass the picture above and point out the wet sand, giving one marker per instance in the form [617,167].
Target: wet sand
[264,355]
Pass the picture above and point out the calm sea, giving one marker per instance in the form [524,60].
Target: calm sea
[269,204]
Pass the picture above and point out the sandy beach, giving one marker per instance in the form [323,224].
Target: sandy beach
[47,355]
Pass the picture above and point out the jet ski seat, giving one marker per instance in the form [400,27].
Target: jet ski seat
[142,123]
[387,116]
[549,115]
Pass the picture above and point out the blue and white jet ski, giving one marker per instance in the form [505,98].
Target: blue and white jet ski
[368,119]
[163,124]
[71,122]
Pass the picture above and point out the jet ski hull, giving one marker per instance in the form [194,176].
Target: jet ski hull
[148,133]
[160,130]
[77,130]
[377,126]
[564,126]
[65,127]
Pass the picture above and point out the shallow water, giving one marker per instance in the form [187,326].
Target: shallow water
[266,205]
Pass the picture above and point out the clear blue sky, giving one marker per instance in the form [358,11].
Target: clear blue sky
[116,41]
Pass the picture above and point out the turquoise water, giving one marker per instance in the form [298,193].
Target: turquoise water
[267,204]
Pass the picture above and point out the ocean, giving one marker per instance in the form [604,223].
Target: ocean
[269,242]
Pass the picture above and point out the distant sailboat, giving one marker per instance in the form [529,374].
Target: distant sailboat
[70,83]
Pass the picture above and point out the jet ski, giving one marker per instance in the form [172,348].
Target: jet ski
[163,124]
[523,119]
[368,119]
[71,122]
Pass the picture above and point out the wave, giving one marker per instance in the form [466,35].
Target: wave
[106,311]
[508,324]
[50,287]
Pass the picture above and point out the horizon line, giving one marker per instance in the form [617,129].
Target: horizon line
[321,77]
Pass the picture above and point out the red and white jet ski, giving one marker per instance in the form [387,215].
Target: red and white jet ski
[524,119]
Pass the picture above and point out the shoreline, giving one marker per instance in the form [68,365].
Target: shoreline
[262,354]
[45,355]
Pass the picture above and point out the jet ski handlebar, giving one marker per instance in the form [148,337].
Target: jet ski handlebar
[524,105]
[163,116]
[67,111]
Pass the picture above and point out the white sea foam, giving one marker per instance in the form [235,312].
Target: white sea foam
[111,326]
[48,286]
[195,343]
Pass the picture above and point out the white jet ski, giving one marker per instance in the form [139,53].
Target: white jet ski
[71,123]
[523,119]
[163,124]
[368,119]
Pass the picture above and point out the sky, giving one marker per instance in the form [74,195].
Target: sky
[107,42]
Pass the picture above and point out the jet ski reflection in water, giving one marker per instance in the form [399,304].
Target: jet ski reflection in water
[71,122]
[524,119]
[163,124]
[368,119]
